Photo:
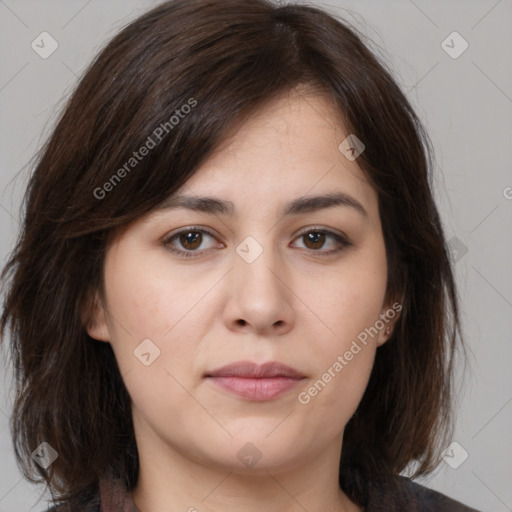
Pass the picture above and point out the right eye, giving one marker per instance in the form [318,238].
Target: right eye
[190,240]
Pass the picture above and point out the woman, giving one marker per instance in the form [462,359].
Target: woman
[232,289]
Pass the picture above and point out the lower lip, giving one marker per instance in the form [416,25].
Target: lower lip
[256,389]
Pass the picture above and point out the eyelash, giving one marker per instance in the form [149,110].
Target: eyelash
[344,242]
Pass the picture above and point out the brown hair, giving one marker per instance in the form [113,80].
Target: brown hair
[230,57]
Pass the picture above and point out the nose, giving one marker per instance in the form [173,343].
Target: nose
[259,296]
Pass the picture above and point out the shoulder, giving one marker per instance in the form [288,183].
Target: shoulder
[67,508]
[91,504]
[403,495]
[429,500]
[110,493]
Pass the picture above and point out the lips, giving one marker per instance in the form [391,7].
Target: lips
[247,369]
[254,382]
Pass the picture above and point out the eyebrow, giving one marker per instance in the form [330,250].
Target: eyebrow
[300,205]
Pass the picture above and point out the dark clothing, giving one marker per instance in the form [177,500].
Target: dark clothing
[410,497]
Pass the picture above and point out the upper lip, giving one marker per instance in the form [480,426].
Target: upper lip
[248,370]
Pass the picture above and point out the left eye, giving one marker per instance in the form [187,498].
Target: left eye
[316,239]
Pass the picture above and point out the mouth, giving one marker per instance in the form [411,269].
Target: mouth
[254,382]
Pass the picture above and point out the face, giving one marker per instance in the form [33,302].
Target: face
[262,274]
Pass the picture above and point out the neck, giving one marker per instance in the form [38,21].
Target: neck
[192,486]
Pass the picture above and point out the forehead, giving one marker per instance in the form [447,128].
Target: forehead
[296,126]
[287,149]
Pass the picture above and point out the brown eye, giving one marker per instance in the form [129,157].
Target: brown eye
[191,240]
[314,240]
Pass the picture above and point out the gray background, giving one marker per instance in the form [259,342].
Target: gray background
[466,105]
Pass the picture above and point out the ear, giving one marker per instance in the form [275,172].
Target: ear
[389,317]
[94,318]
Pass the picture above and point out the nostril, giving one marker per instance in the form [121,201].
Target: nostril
[241,322]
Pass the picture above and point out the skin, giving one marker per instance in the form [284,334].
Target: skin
[298,307]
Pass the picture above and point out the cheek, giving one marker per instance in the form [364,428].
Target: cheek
[150,299]
[348,304]
[350,298]
[343,364]
[332,399]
